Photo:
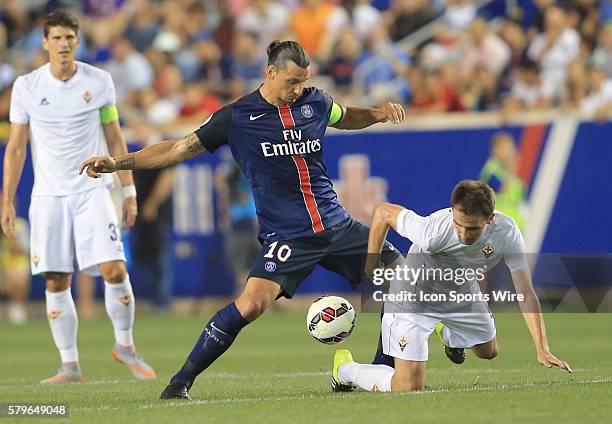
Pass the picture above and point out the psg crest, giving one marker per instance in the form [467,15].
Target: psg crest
[306,111]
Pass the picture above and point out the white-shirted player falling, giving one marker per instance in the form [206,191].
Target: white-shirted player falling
[470,234]
[70,110]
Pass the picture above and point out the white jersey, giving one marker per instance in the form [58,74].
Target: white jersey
[435,235]
[442,264]
[65,125]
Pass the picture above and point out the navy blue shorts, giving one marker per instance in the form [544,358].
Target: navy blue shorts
[341,249]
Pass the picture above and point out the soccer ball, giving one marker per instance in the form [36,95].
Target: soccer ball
[331,319]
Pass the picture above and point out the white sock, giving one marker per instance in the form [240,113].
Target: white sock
[64,323]
[120,307]
[373,378]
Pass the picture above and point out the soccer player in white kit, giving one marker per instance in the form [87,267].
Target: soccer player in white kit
[69,108]
[469,235]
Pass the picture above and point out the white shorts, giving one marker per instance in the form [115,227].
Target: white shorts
[406,335]
[81,226]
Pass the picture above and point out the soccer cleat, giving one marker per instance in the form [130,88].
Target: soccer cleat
[176,390]
[128,356]
[68,373]
[455,354]
[341,357]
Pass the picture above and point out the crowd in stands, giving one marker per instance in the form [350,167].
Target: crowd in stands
[175,62]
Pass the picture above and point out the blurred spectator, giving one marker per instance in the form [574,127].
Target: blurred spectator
[484,49]
[598,102]
[142,24]
[436,95]
[458,15]
[343,62]
[408,16]
[315,24]
[130,69]
[198,104]
[530,91]
[362,15]
[500,173]
[151,237]
[577,83]
[266,18]
[381,69]
[538,22]
[555,48]
[239,219]
[247,63]
[602,56]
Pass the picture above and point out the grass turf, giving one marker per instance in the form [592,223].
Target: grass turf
[275,372]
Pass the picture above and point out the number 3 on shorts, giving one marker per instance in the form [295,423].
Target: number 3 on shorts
[114,233]
[283,252]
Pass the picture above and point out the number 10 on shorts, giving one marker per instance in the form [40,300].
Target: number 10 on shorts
[283,252]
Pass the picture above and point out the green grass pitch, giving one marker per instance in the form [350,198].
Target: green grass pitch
[275,372]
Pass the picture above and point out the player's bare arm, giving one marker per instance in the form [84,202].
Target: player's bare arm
[117,147]
[14,158]
[356,118]
[384,216]
[532,313]
[160,155]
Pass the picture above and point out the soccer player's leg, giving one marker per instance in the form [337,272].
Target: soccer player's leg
[121,307]
[278,270]
[347,256]
[405,339]
[461,331]
[99,251]
[64,323]
[52,254]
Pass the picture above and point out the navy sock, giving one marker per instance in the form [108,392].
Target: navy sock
[217,337]
[380,358]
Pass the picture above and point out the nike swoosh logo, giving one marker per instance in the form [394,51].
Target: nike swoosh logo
[252,118]
[212,324]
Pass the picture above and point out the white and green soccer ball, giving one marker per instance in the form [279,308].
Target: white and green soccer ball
[331,319]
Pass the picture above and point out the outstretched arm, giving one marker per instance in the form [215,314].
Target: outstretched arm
[356,118]
[385,216]
[532,313]
[160,155]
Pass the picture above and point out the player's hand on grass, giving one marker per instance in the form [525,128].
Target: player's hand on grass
[8,220]
[130,212]
[98,165]
[549,360]
[391,112]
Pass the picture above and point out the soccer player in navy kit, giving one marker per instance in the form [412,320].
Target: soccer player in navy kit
[276,136]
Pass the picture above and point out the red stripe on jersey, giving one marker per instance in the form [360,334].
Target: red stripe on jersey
[309,199]
[284,111]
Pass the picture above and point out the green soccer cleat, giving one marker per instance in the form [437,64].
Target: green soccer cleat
[455,354]
[342,356]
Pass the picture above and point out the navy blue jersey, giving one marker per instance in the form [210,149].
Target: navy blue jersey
[280,151]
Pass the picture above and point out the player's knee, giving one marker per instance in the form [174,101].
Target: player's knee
[251,307]
[489,354]
[57,282]
[407,385]
[114,272]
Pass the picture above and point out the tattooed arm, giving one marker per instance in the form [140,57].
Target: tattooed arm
[159,155]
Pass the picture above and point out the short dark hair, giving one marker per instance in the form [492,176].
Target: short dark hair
[281,52]
[473,198]
[61,18]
